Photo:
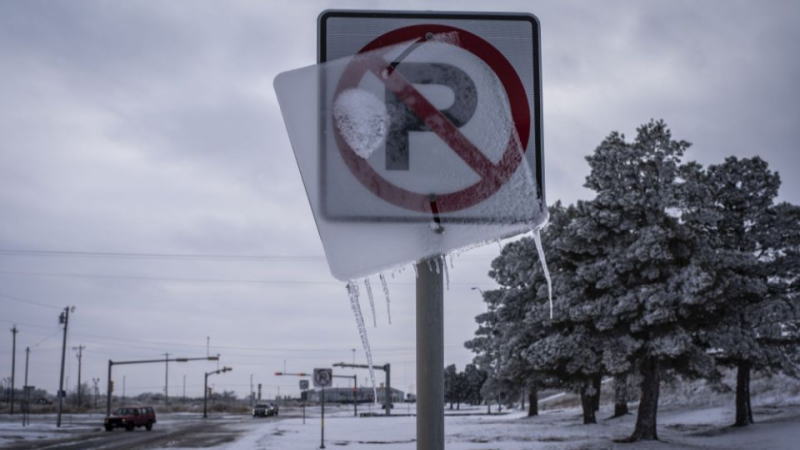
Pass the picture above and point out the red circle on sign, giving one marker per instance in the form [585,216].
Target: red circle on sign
[493,176]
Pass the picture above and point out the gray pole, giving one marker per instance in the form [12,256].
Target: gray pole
[80,356]
[322,419]
[205,397]
[355,395]
[13,364]
[430,358]
[65,320]
[27,390]
[166,379]
[387,395]
[108,389]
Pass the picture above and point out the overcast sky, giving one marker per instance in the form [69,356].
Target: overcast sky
[146,176]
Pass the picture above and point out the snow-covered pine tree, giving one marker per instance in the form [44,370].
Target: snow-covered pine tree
[537,351]
[729,209]
[642,277]
[485,345]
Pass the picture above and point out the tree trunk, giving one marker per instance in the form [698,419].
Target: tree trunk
[744,413]
[648,405]
[588,402]
[533,401]
[597,383]
[522,400]
[620,395]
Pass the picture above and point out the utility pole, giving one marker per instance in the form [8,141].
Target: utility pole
[14,332]
[79,349]
[259,391]
[27,389]
[63,318]
[252,394]
[166,379]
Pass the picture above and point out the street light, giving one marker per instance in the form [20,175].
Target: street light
[144,361]
[205,388]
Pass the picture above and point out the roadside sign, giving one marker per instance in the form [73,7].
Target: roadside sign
[322,377]
[303,385]
[428,134]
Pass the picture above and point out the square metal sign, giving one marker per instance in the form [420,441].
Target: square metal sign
[417,134]
[401,178]
[323,377]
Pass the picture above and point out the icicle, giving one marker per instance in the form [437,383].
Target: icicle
[371,302]
[386,294]
[416,272]
[446,273]
[436,265]
[450,257]
[537,239]
[499,245]
[430,266]
[352,291]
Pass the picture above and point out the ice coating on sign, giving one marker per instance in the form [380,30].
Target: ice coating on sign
[475,176]
[355,305]
[371,302]
[385,287]
[362,120]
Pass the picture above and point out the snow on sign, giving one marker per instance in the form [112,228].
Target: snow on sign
[417,134]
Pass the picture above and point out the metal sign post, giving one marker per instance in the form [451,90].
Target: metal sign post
[389,170]
[322,379]
[322,421]
[304,394]
[430,358]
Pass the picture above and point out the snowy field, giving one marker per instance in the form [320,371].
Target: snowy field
[778,428]
[704,425]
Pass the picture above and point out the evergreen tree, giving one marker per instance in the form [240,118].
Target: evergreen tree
[729,208]
[642,276]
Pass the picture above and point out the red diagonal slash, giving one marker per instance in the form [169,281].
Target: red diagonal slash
[433,118]
[372,59]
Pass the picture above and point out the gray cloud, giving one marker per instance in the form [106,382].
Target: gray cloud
[149,127]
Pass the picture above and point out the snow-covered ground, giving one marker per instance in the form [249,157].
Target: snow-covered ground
[778,428]
[43,426]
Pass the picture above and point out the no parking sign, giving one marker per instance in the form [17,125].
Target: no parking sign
[428,134]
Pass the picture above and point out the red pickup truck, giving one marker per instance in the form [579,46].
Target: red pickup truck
[130,418]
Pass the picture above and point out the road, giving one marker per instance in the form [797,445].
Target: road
[170,432]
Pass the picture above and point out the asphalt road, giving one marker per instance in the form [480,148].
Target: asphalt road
[170,433]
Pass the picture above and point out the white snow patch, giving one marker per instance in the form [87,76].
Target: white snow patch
[362,120]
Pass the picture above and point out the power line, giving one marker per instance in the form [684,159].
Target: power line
[30,302]
[159,255]
[206,280]
[168,255]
